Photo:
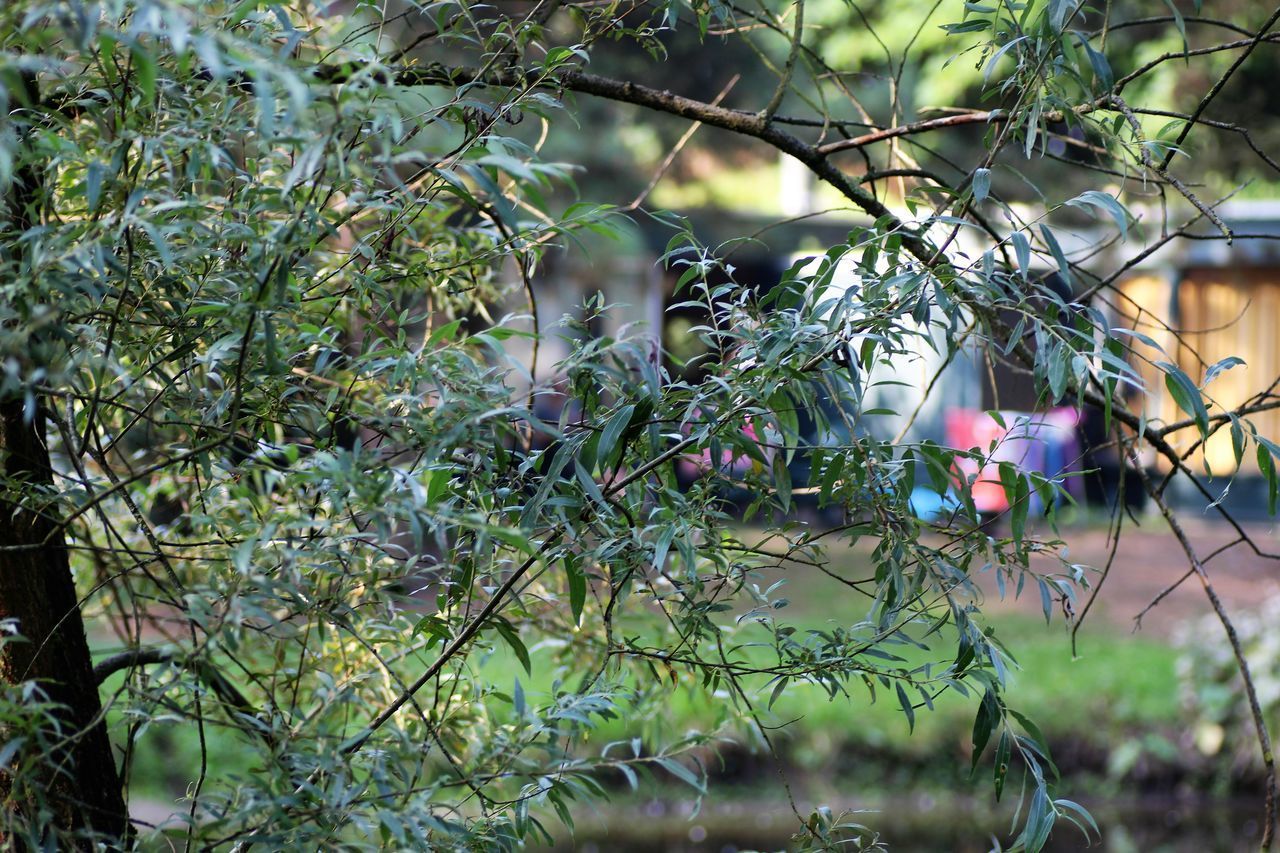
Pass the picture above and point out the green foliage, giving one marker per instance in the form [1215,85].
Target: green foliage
[253,305]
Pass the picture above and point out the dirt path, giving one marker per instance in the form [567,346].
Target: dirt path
[1149,559]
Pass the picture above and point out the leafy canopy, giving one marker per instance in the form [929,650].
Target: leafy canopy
[257,263]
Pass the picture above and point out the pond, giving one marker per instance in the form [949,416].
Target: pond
[923,823]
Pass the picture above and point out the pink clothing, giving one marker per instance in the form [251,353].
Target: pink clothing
[1043,442]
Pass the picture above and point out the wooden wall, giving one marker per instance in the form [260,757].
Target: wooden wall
[1209,314]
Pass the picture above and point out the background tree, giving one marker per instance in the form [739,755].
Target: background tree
[261,422]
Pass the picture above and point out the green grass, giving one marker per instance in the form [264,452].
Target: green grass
[1115,686]
[1119,688]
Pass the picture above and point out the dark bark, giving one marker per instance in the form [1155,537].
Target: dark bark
[79,783]
[37,591]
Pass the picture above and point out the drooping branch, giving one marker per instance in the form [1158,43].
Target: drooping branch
[1261,728]
[751,125]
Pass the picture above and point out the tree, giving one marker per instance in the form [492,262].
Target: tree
[259,421]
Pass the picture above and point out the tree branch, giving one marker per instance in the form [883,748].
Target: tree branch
[1217,87]
[228,694]
[107,667]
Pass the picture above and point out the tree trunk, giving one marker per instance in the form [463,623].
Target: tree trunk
[79,783]
[37,591]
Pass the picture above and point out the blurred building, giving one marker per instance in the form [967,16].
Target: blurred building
[1200,300]
[1203,301]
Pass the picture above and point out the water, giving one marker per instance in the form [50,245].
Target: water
[924,823]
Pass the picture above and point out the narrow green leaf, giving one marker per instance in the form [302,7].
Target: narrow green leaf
[93,185]
[778,690]
[1001,767]
[905,702]
[1220,366]
[508,633]
[612,432]
[782,481]
[443,335]
[665,537]
[144,67]
[1022,250]
[1186,395]
[1105,202]
[1079,810]
[684,774]
[1237,440]
[984,724]
[1181,26]
[577,584]
[981,185]
[1064,268]
[630,775]
[437,484]
[1267,465]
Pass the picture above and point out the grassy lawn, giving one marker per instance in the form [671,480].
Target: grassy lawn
[1117,685]
[1119,692]
[1118,688]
